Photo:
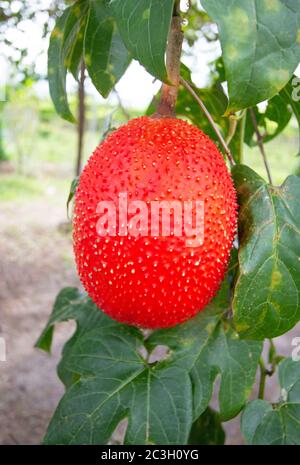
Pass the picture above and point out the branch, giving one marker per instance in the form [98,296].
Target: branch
[260,143]
[210,119]
[167,103]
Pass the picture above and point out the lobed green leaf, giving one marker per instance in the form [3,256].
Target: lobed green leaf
[276,424]
[207,430]
[266,295]
[107,377]
[64,53]
[106,57]
[208,348]
[107,380]
[144,27]
[261,46]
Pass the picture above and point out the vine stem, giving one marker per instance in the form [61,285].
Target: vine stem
[242,136]
[168,97]
[272,358]
[262,382]
[190,89]
[264,372]
[260,143]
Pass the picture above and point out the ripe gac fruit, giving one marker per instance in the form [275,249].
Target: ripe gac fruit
[154,282]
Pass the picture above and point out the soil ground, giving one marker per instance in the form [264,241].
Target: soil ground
[36,261]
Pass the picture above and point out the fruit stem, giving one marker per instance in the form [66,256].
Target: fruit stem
[260,143]
[167,103]
[190,89]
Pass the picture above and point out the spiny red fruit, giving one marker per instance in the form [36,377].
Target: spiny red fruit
[154,282]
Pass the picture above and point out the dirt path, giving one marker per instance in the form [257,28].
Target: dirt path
[35,263]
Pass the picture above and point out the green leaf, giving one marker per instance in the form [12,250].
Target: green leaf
[208,347]
[72,192]
[276,424]
[57,70]
[144,27]
[105,54]
[221,303]
[278,111]
[92,408]
[236,144]
[75,52]
[69,304]
[261,46]
[266,296]
[63,53]
[207,430]
[107,380]
[161,409]
[291,98]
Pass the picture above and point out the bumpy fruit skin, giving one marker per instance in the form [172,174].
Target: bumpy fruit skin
[154,282]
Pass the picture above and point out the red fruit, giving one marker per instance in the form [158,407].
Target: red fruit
[154,282]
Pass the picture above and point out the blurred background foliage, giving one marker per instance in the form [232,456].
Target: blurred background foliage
[40,148]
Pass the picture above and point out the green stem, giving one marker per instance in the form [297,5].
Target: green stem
[233,124]
[242,136]
[260,143]
[262,382]
[272,357]
[273,360]
[190,89]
